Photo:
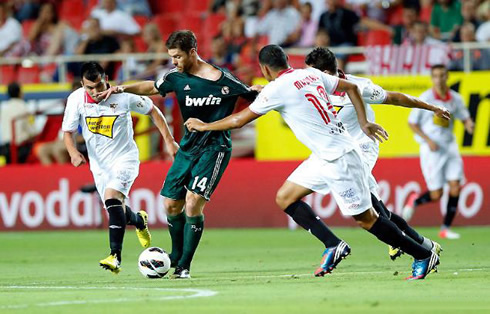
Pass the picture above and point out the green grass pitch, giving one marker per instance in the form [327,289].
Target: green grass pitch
[240,271]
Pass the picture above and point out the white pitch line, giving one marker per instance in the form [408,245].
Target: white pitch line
[197,293]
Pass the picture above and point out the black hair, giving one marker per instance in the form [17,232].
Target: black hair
[322,59]
[438,66]
[91,71]
[184,40]
[13,90]
[274,57]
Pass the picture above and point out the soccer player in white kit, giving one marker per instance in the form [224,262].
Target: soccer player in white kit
[335,165]
[324,60]
[114,159]
[440,160]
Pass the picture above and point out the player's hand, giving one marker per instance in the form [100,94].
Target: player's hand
[172,149]
[108,92]
[194,125]
[443,113]
[257,88]
[375,132]
[433,146]
[469,125]
[78,159]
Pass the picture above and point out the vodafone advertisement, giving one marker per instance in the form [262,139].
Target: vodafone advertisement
[38,197]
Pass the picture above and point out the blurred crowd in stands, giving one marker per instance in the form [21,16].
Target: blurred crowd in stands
[229,32]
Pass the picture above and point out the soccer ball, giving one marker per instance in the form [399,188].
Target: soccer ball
[154,263]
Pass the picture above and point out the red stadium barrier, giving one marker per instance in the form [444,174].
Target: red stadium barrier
[39,197]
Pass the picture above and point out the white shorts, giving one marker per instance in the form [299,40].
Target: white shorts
[441,166]
[370,153]
[346,177]
[120,178]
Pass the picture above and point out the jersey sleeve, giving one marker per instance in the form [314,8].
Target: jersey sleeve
[71,118]
[329,81]
[140,104]
[164,85]
[461,111]
[373,94]
[265,102]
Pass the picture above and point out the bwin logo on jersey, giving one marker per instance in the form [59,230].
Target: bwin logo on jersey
[202,101]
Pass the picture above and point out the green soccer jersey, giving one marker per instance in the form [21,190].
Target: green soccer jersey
[205,100]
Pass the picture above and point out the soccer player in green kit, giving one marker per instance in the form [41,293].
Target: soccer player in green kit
[209,93]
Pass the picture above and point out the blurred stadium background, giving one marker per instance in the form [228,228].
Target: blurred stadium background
[267,268]
[394,42]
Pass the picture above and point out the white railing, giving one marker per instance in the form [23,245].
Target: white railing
[62,61]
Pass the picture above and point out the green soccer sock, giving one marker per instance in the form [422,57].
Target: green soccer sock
[176,229]
[193,230]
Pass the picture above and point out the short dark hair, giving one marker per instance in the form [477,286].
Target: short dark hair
[184,40]
[322,59]
[91,70]
[438,66]
[13,90]
[274,57]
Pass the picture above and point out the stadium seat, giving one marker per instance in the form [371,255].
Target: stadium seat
[212,24]
[167,23]
[29,75]
[197,6]
[168,6]
[73,12]
[378,38]
[192,22]
[297,61]
[7,74]
[139,44]
[141,20]
[26,27]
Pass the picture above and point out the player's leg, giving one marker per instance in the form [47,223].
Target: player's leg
[140,221]
[451,209]
[432,165]
[289,197]
[205,174]
[174,192]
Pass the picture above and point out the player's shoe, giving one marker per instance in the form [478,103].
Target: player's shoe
[422,267]
[448,234]
[144,235]
[181,273]
[111,263]
[436,248]
[409,208]
[394,253]
[332,256]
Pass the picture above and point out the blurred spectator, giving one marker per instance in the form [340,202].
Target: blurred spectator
[339,24]
[15,109]
[480,58]
[94,42]
[10,31]
[483,31]
[445,19]
[155,43]
[246,10]
[425,10]
[318,7]
[55,151]
[409,17]
[113,21]
[219,55]
[306,32]
[134,7]
[50,37]
[322,39]
[468,11]
[419,35]
[25,9]
[280,23]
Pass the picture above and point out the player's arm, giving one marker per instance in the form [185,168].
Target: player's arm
[417,130]
[144,88]
[469,125]
[161,123]
[77,159]
[234,121]
[373,130]
[404,100]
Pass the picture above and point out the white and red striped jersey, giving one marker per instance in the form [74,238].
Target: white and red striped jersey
[302,98]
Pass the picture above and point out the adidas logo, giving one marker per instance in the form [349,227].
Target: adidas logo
[187,87]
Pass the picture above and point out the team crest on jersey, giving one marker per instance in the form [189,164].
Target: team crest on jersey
[113,107]
[225,90]
[103,125]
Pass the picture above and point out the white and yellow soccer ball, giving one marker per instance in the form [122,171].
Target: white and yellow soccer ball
[154,262]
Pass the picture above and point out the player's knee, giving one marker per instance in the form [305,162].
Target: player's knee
[173,207]
[454,189]
[366,219]
[436,195]
[282,199]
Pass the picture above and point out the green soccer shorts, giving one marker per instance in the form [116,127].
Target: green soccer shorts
[198,174]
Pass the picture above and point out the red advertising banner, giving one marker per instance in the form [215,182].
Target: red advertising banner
[39,197]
